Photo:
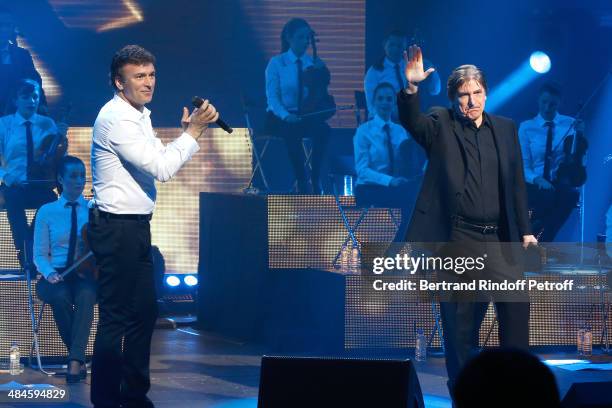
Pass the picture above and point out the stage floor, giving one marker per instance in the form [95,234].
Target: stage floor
[191,368]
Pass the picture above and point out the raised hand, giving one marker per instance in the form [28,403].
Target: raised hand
[200,118]
[414,65]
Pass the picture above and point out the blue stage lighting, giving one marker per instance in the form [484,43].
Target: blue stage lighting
[173,281]
[540,62]
[190,280]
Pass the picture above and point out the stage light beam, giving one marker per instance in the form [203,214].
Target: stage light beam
[538,63]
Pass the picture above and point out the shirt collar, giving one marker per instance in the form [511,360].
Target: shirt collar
[21,120]
[80,201]
[129,109]
[540,121]
[290,55]
[380,122]
[390,64]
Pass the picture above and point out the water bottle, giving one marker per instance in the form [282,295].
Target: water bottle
[14,360]
[580,341]
[348,185]
[420,351]
[355,260]
[587,345]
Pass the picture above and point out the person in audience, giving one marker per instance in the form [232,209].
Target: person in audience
[506,378]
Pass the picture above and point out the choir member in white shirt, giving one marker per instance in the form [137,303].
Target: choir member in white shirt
[542,139]
[22,136]
[127,159]
[381,148]
[58,243]
[390,68]
[286,93]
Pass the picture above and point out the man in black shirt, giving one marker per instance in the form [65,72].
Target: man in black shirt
[472,198]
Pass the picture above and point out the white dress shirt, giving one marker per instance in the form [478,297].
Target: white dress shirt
[374,77]
[127,158]
[371,153]
[532,135]
[52,234]
[282,83]
[14,145]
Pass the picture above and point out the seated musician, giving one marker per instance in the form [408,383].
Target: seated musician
[390,68]
[287,95]
[24,136]
[58,244]
[542,142]
[380,151]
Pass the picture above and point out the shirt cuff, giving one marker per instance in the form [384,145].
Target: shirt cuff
[385,179]
[187,143]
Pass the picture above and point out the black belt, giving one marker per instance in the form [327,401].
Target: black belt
[133,217]
[475,226]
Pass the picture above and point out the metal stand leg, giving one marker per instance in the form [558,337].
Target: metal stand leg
[437,329]
[35,323]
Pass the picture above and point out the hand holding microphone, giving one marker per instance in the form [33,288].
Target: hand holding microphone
[199,102]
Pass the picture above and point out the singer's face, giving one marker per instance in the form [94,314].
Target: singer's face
[27,103]
[300,40]
[384,101]
[394,48]
[136,84]
[548,105]
[470,101]
[73,180]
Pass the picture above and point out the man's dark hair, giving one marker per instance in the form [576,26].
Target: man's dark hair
[552,88]
[289,29]
[65,162]
[130,54]
[25,87]
[380,86]
[462,75]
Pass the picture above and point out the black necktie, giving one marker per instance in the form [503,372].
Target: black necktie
[30,147]
[387,130]
[548,152]
[398,76]
[73,234]
[300,85]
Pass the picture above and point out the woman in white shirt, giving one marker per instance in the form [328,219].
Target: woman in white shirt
[58,245]
[287,94]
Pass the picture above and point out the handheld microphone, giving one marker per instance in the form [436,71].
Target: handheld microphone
[198,102]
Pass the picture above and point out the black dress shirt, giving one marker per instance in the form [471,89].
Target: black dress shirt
[480,200]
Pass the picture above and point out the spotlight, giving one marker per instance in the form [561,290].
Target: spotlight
[190,280]
[539,62]
[173,281]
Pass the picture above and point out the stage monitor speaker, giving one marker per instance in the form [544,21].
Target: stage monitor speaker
[338,382]
[588,395]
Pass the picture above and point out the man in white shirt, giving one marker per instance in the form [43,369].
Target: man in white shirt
[390,68]
[58,244]
[542,140]
[126,160]
[21,136]
[380,160]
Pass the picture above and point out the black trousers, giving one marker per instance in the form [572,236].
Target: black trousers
[551,209]
[402,197]
[462,316]
[72,301]
[292,134]
[128,311]
[19,198]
